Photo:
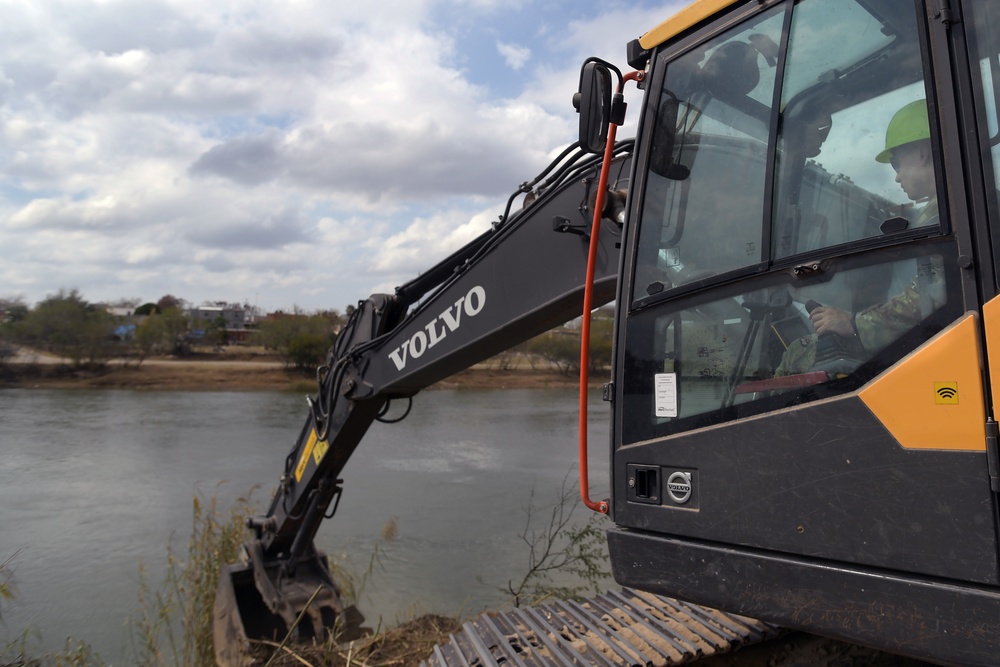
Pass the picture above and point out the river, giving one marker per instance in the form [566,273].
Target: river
[96,484]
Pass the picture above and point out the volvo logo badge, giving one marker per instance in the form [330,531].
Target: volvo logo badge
[679,487]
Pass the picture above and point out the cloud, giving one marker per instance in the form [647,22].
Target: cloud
[277,229]
[358,141]
[427,240]
[118,26]
[246,160]
[516,56]
[308,151]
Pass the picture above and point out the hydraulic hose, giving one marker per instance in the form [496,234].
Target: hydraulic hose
[600,506]
[588,304]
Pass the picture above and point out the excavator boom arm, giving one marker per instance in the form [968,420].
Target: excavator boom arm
[519,279]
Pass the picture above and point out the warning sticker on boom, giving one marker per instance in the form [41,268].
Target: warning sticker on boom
[665,394]
[319,451]
[307,451]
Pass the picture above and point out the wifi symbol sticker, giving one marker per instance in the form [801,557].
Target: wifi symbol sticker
[946,393]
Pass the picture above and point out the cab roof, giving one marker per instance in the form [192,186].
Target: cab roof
[694,13]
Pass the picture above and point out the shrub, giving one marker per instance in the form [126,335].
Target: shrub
[307,350]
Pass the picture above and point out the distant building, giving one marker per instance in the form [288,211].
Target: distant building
[120,313]
[125,322]
[233,316]
[238,320]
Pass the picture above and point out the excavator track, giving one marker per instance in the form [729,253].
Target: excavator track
[618,628]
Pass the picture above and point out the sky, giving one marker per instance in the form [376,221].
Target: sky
[296,154]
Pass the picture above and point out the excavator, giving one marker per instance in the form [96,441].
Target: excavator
[799,242]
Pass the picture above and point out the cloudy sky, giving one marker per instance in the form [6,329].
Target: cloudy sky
[299,153]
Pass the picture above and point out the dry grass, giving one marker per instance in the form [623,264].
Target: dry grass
[174,624]
[174,621]
[406,645]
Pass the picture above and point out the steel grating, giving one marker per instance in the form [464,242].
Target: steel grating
[618,628]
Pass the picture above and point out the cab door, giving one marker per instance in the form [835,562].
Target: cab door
[800,366]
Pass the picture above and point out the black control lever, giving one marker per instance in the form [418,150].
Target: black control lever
[832,353]
[827,344]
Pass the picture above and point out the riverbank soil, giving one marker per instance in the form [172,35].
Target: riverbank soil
[180,375]
[237,369]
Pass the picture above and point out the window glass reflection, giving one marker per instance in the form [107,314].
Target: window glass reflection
[704,198]
[850,116]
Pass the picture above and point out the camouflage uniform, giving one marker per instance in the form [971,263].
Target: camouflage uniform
[879,325]
[799,357]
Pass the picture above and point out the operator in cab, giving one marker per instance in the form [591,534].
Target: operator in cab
[908,151]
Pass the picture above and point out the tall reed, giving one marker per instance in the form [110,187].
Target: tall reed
[174,622]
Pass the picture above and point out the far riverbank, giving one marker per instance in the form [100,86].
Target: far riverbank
[243,372]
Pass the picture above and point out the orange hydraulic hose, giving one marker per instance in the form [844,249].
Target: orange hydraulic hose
[588,300]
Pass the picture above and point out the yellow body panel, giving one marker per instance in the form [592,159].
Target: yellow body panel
[694,13]
[933,398]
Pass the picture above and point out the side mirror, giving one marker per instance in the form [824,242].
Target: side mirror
[593,103]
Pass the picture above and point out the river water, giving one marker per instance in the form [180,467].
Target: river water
[96,484]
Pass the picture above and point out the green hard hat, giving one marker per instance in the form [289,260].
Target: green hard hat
[907,125]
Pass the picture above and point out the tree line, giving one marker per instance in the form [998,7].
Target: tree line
[68,326]
[88,335]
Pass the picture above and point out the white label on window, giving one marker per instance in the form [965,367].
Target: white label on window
[665,390]
[671,256]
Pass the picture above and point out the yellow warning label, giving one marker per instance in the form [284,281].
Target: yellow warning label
[300,469]
[946,393]
[319,451]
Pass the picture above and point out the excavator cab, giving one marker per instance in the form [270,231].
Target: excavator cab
[803,429]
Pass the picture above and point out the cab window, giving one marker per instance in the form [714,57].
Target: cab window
[985,43]
[827,197]
[853,101]
[751,347]
[704,196]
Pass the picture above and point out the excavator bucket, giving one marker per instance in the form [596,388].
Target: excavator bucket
[259,601]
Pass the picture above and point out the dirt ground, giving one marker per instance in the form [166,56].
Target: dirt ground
[235,370]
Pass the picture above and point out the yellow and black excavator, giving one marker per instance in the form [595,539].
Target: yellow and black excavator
[800,244]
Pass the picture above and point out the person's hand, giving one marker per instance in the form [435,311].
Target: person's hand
[827,319]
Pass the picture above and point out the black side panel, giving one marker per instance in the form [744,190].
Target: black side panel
[921,618]
[823,480]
